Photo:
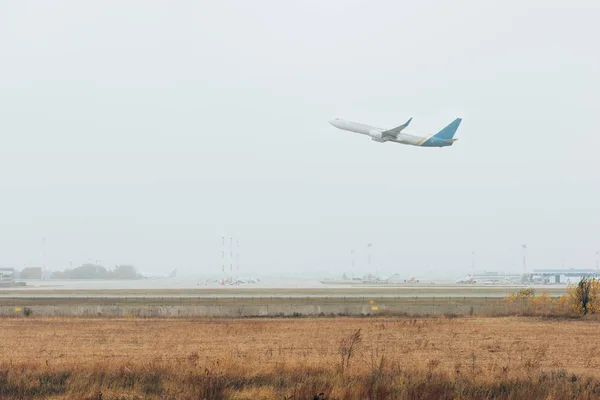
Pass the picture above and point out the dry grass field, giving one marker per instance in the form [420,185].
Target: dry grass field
[391,358]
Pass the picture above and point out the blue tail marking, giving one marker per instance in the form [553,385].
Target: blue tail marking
[448,132]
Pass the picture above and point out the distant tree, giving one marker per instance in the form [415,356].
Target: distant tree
[90,271]
[85,271]
[93,271]
[31,273]
[125,272]
[585,296]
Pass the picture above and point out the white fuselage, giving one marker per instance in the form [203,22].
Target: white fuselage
[375,133]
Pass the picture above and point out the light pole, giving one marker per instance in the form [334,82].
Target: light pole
[369,246]
[222,260]
[352,269]
[43,257]
[524,246]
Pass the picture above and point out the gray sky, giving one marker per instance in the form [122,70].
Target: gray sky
[142,132]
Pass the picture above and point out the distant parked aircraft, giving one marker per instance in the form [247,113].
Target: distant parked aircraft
[151,275]
[467,279]
[443,138]
[240,281]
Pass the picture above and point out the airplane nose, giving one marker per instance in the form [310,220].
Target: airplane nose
[333,121]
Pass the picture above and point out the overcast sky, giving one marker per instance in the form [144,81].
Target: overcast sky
[142,132]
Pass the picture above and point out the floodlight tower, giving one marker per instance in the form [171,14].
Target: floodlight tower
[352,268]
[230,259]
[223,260]
[369,247]
[524,247]
[473,264]
[43,257]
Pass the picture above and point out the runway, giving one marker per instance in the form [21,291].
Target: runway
[266,288]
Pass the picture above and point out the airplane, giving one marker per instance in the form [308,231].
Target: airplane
[240,281]
[152,275]
[443,138]
[466,279]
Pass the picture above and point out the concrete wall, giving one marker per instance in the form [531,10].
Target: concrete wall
[251,307]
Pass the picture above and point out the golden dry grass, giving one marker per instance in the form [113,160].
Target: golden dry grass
[279,358]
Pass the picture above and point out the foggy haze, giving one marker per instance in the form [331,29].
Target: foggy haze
[142,132]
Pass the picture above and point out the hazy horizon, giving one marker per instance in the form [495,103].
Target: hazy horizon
[143,132]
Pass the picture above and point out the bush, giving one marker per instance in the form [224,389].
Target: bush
[581,299]
[585,296]
[348,346]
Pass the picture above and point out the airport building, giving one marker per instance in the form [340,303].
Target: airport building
[7,276]
[562,275]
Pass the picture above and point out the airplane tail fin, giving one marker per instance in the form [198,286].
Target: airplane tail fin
[448,132]
[173,274]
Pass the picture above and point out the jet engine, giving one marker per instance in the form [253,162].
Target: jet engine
[376,135]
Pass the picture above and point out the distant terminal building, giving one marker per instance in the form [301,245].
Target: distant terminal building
[7,276]
[492,278]
[562,275]
[497,277]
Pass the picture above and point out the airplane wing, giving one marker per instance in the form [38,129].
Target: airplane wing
[395,131]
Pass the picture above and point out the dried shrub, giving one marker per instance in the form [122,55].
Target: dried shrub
[348,346]
[585,296]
